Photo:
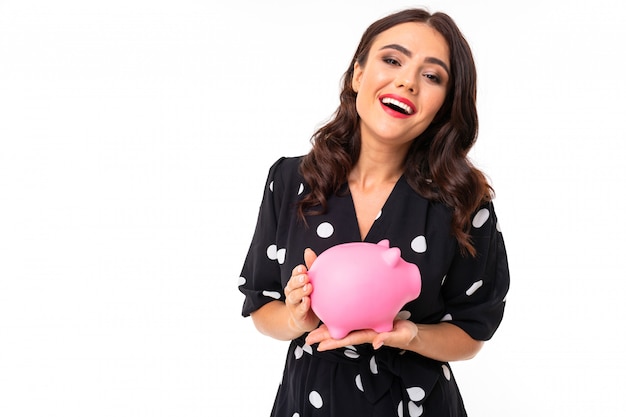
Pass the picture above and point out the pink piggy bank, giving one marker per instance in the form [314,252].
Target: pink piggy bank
[361,285]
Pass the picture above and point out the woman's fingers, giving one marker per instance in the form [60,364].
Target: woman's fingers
[298,279]
[401,335]
[322,336]
[309,257]
[317,335]
[297,292]
[297,296]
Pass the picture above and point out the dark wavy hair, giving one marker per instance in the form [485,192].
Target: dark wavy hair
[436,166]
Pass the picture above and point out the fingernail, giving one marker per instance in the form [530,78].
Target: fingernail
[305,287]
[301,278]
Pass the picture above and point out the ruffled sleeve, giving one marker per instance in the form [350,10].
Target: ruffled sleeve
[475,287]
[260,276]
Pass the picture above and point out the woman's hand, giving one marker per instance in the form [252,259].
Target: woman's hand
[297,296]
[400,336]
[441,341]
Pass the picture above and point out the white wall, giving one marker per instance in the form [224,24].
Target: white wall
[135,137]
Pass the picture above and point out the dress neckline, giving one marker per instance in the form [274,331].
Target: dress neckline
[376,229]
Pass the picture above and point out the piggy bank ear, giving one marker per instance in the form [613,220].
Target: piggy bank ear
[384,242]
[391,256]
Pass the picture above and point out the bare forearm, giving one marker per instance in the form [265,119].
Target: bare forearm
[444,342]
[274,320]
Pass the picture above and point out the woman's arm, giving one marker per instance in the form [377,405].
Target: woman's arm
[274,320]
[442,341]
[292,318]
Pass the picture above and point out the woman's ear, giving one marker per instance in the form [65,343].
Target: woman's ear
[356,77]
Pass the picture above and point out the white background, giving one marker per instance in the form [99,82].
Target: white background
[135,137]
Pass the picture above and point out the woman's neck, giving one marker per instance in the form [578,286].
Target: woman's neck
[375,169]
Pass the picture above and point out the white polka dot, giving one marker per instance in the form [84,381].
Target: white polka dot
[242,281]
[480,218]
[325,230]
[271,252]
[475,286]
[403,315]
[308,349]
[415,410]
[296,415]
[443,281]
[373,365]
[419,244]
[280,256]
[298,352]
[359,383]
[498,226]
[316,399]
[446,372]
[272,294]
[380,213]
[301,189]
[351,353]
[272,186]
[447,317]
[400,410]
[416,393]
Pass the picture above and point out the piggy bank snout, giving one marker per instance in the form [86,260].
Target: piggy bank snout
[413,280]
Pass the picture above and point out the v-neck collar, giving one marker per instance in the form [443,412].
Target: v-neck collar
[378,228]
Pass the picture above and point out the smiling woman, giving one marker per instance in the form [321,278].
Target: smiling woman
[404,73]
[391,165]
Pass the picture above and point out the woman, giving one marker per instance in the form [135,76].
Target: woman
[391,164]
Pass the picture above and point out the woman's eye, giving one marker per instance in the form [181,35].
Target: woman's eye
[391,61]
[434,78]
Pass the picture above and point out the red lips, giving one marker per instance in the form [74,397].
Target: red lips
[397,106]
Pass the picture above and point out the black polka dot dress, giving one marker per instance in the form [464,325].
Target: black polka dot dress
[358,381]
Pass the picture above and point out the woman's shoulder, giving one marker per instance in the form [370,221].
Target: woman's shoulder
[284,173]
[286,165]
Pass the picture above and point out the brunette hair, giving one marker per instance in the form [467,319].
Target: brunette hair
[436,166]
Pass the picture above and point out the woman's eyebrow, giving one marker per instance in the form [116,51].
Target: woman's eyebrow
[398,48]
[439,62]
[403,50]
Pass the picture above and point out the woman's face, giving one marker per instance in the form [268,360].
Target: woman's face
[402,84]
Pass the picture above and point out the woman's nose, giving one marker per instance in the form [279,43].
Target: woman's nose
[408,81]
